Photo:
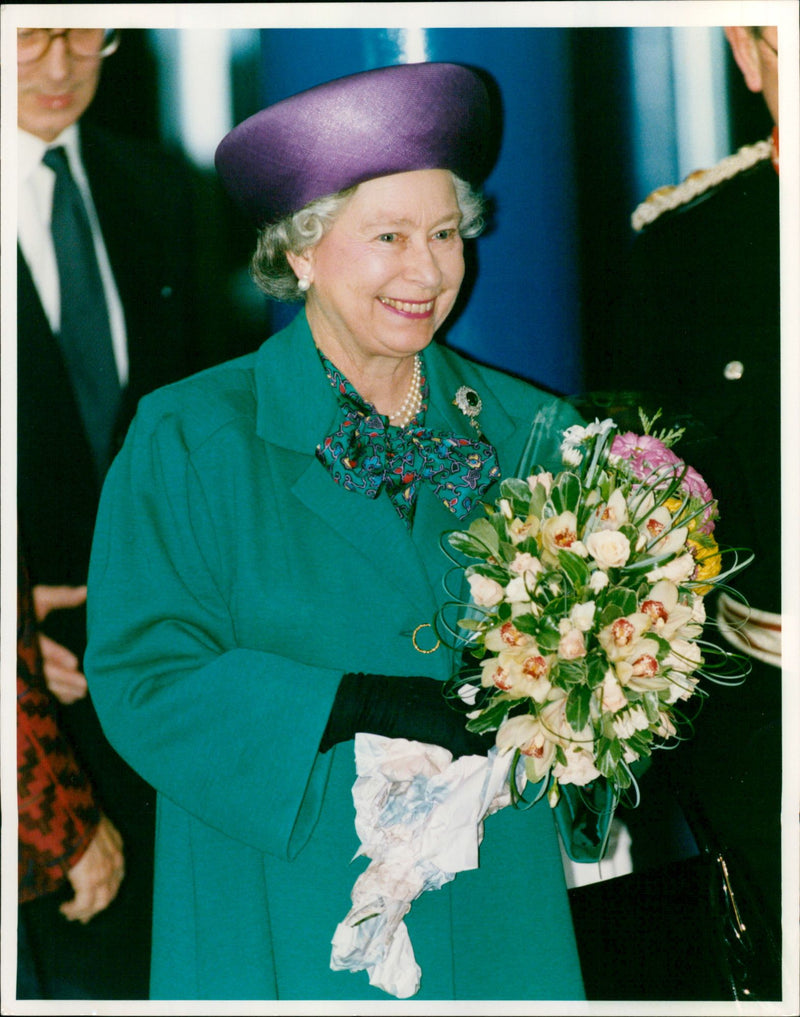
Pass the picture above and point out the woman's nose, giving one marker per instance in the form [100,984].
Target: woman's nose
[423,266]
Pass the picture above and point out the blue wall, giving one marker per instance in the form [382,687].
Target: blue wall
[523,313]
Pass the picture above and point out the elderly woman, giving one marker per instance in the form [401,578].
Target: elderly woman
[267,564]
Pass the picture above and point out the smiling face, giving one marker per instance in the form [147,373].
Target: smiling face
[387,273]
[55,91]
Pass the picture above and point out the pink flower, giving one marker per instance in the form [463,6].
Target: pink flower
[650,459]
[696,487]
[645,453]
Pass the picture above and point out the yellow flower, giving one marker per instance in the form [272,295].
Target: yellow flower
[705,551]
[673,504]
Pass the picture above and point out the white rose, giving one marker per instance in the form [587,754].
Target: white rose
[517,590]
[525,562]
[613,697]
[485,592]
[582,615]
[571,646]
[609,548]
[598,581]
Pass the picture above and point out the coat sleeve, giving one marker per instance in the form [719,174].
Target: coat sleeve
[227,733]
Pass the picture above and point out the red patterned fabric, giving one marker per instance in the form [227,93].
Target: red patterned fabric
[57,812]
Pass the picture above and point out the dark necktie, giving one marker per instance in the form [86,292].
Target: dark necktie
[85,333]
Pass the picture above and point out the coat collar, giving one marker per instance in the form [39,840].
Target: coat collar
[300,409]
[297,407]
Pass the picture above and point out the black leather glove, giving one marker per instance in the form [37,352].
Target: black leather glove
[413,708]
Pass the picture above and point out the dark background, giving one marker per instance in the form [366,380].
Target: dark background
[550,275]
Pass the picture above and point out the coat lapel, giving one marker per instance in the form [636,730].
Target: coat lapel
[297,413]
[296,416]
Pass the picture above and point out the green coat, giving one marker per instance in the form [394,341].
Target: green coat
[232,583]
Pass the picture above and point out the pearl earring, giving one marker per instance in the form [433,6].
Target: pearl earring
[303,283]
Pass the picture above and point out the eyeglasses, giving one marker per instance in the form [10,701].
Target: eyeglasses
[82,43]
[768,44]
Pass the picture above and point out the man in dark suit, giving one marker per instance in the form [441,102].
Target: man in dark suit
[701,338]
[138,204]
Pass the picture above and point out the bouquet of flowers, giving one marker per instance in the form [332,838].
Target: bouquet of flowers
[586,617]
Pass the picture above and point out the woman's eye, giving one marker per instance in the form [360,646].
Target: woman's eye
[445,234]
[387,238]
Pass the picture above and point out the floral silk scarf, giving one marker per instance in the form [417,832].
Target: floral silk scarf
[366,454]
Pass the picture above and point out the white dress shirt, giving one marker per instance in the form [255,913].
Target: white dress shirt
[34,211]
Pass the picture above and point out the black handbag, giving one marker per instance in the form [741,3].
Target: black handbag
[693,929]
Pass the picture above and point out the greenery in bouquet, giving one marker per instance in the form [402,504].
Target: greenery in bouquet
[586,614]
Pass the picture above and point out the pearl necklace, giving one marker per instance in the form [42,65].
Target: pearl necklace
[413,400]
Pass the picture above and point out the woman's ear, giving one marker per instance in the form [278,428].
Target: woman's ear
[745,52]
[300,264]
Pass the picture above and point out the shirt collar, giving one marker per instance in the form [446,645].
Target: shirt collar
[31,149]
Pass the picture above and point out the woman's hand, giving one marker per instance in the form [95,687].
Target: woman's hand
[96,878]
[401,707]
[61,672]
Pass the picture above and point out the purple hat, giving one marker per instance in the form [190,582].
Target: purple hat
[352,129]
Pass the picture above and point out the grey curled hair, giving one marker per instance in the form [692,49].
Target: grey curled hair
[269,267]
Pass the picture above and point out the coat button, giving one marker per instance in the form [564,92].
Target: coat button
[166,292]
[734,369]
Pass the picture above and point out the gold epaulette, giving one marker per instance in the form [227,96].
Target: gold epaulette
[664,199]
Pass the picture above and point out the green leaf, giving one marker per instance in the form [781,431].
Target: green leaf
[577,707]
[623,599]
[596,666]
[492,717]
[508,551]
[468,545]
[566,493]
[573,672]
[547,635]
[631,533]
[538,498]
[608,755]
[650,704]
[663,645]
[483,531]
[574,567]
[496,572]
[527,623]
[518,494]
